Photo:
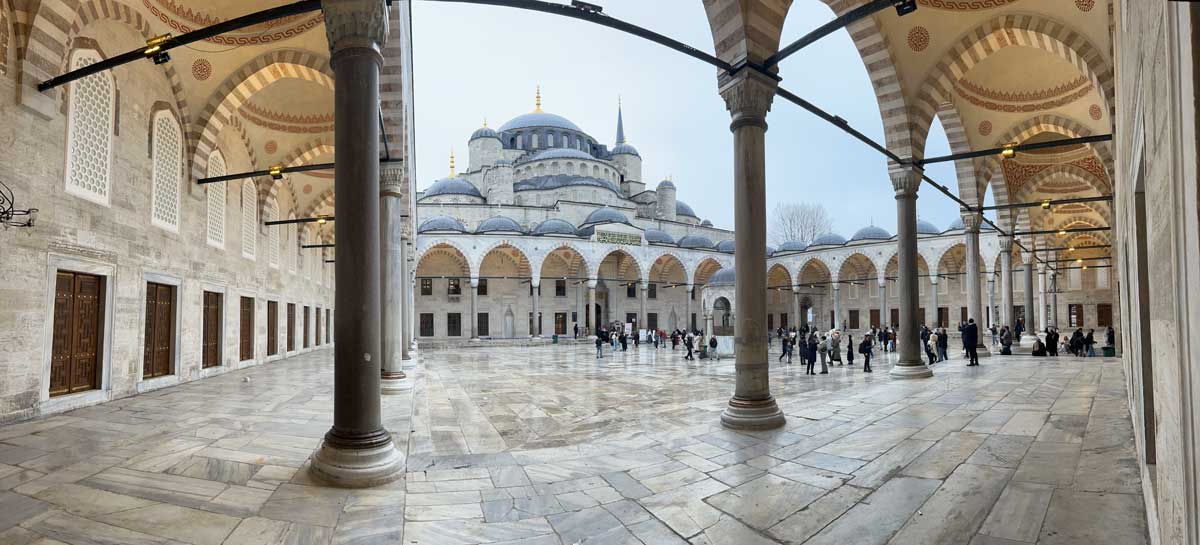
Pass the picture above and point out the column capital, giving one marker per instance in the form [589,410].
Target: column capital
[905,180]
[972,221]
[691,287]
[355,24]
[1006,244]
[748,97]
[535,281]
[591,283]
[474,282]
[933,279]
[391,181]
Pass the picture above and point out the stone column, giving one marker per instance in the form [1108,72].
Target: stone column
[1042,323]
[708,324]
[1006,284]
[971,222]
[642,320]
[837,305]
[1054,299]
[536,284]
[687,318]
[393,281]
[905,181]
[795,308]
[357,451]
[580,310]
[748,97]
[408,298]
[933,299]
[1030,326]
[883,308]
[991,280]
[591,306]
[474,317]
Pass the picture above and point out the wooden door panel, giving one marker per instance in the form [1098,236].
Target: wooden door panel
[212,336]
[318,328]
[148,343]
[247,329]
[291,327]
[163,329]
[64,327]
[87,333]
[272,328]
[78,323]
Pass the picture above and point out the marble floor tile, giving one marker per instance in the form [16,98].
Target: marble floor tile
[1019,512]
[765,501]
[1078,518]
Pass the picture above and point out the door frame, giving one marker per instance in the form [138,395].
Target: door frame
[47,404]
[223,347]
[280,328]
[146,385]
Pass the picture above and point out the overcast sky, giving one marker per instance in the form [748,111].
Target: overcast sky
[472,62]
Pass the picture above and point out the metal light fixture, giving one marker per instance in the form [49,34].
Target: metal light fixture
[1071,249]
[1080,260]
[153,50]
[276,172]
[905,7]
[9,215]
[1046,203]
[1008,152]
[321,221]
[1062,232]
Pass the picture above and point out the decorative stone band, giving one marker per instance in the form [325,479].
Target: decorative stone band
[748,98]
[355,23]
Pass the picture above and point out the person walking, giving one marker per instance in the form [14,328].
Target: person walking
[865,350]
[824,349]
[1018,329]
[995,335]
[624,342]
[835,347]
[1076,343]
[688,344]
[849,349]
[970,335]
[783,348]
[577,330]
[712,347]
[943,344]
[1006,340]
[599,346]
[1089,343]
[809,354]
[1110,337]
[931,347]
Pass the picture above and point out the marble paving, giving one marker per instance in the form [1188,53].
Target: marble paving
[550,446]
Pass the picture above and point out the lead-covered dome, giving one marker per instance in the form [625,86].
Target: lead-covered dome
[792,246]
[499,224]
[770,251]
[605,215]
[726,246]
[706,223]
[871,232]
[452,186]
[696,242]
[723,277]
[561,153]
[926,228]
[828,239]
[956,225]
[441,224]
[682,209]
[659,236]
[555,181]
[539,119]
[625,149]
[485,132]
[554,226]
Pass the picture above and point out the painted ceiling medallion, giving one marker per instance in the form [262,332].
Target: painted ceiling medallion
[985,128]
[918,38]
[1096,112]
[307,189]
[271,146]
[964,5]
[183,19]
[1085,5]
[201,69]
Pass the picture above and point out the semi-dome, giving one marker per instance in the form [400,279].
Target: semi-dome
[659,236]
[485,132]
[696,242]
[871,232]
[555,181]
[926,228]
[682,209]
[554,226]
[828,239]
[723,277]
[499,224]
[539,119]
[793,246]
[441,224]
[726,246]
[625,149]
[606,215]
[561,153]
[453,186]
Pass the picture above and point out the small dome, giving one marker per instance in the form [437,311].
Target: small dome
[561,153]
[696,242]
[956,225]
[606,215]
[871,232]
[828,239]
[793,246]
[484,132]
[625,149]
[706,223]
[668,184]
[499,224]
[452,186]
[659,236]
[682,209]
[539,119]
[441,224]
[770,251]
[926,228]
[723,277]
[725,246]
[554,226]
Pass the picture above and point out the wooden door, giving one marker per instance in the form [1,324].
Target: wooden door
[327,318]
[76,349]
[318,329]
[246,350]
[159,349]
[211,348]
[272,328]
[874,317]
[291,327]
[305,327]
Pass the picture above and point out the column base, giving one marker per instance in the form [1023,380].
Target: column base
[758,414]
[982,351]
[392,382]
[357,468]
[911,371]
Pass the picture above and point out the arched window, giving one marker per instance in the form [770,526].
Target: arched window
[92,106]
[271,211]
[167,158]
[249,219]
[550,140]
[217,195]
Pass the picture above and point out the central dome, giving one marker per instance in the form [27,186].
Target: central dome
[539,119]
[561,153]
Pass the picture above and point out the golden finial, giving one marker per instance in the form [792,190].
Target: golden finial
[451,162]
[485,122]
[538,100]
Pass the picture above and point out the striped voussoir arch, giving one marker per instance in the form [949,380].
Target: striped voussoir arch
[236,124]
[746,28]
[19,18]
[243,83]
[1064,125]
[876,55]
[324,201]
[1016,30]
[965,169]
[303,154]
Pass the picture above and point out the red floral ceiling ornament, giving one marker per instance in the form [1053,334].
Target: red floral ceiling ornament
[271,146]
[1096,112]
[985,128]
[918,38]
[201,69]
[1085,5]
[307,189]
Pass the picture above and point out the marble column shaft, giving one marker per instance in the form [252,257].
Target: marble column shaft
[837,305]
[643,321]
[796,308]
[687,318]
[392,277]
[883,308]
[1042,323]
[905,182]
[1006,282]
[971,223]
[536,327]
[473,318]
[1054,299]
[748,97]
[933,300]
[406,314]
[591,307]
[1030,326]
[991,281]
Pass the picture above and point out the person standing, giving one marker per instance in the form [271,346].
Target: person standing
[943,344]
[1110,337]
[865,350]
[931,347]
[849,349]
[1005,341]
[712,347]
[808,352]
[970,335]
[1089,343]
[995,335]
[1051,341]
[599,346]
[824,350]
[687,345]
[835,346]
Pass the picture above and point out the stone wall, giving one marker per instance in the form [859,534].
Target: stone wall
[119,242]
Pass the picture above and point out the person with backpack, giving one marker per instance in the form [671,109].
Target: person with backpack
[1006,340]
[712,347]
[943,344]
[931,347]
[865,350]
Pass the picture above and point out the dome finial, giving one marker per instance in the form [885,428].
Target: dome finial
[451,162]
[485,122]
[538,100]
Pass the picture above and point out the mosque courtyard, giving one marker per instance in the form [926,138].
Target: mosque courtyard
[548,445]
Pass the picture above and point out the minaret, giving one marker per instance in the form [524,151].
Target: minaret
[627,159]
[620,124]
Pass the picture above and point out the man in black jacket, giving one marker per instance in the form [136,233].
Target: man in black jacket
[970,335]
